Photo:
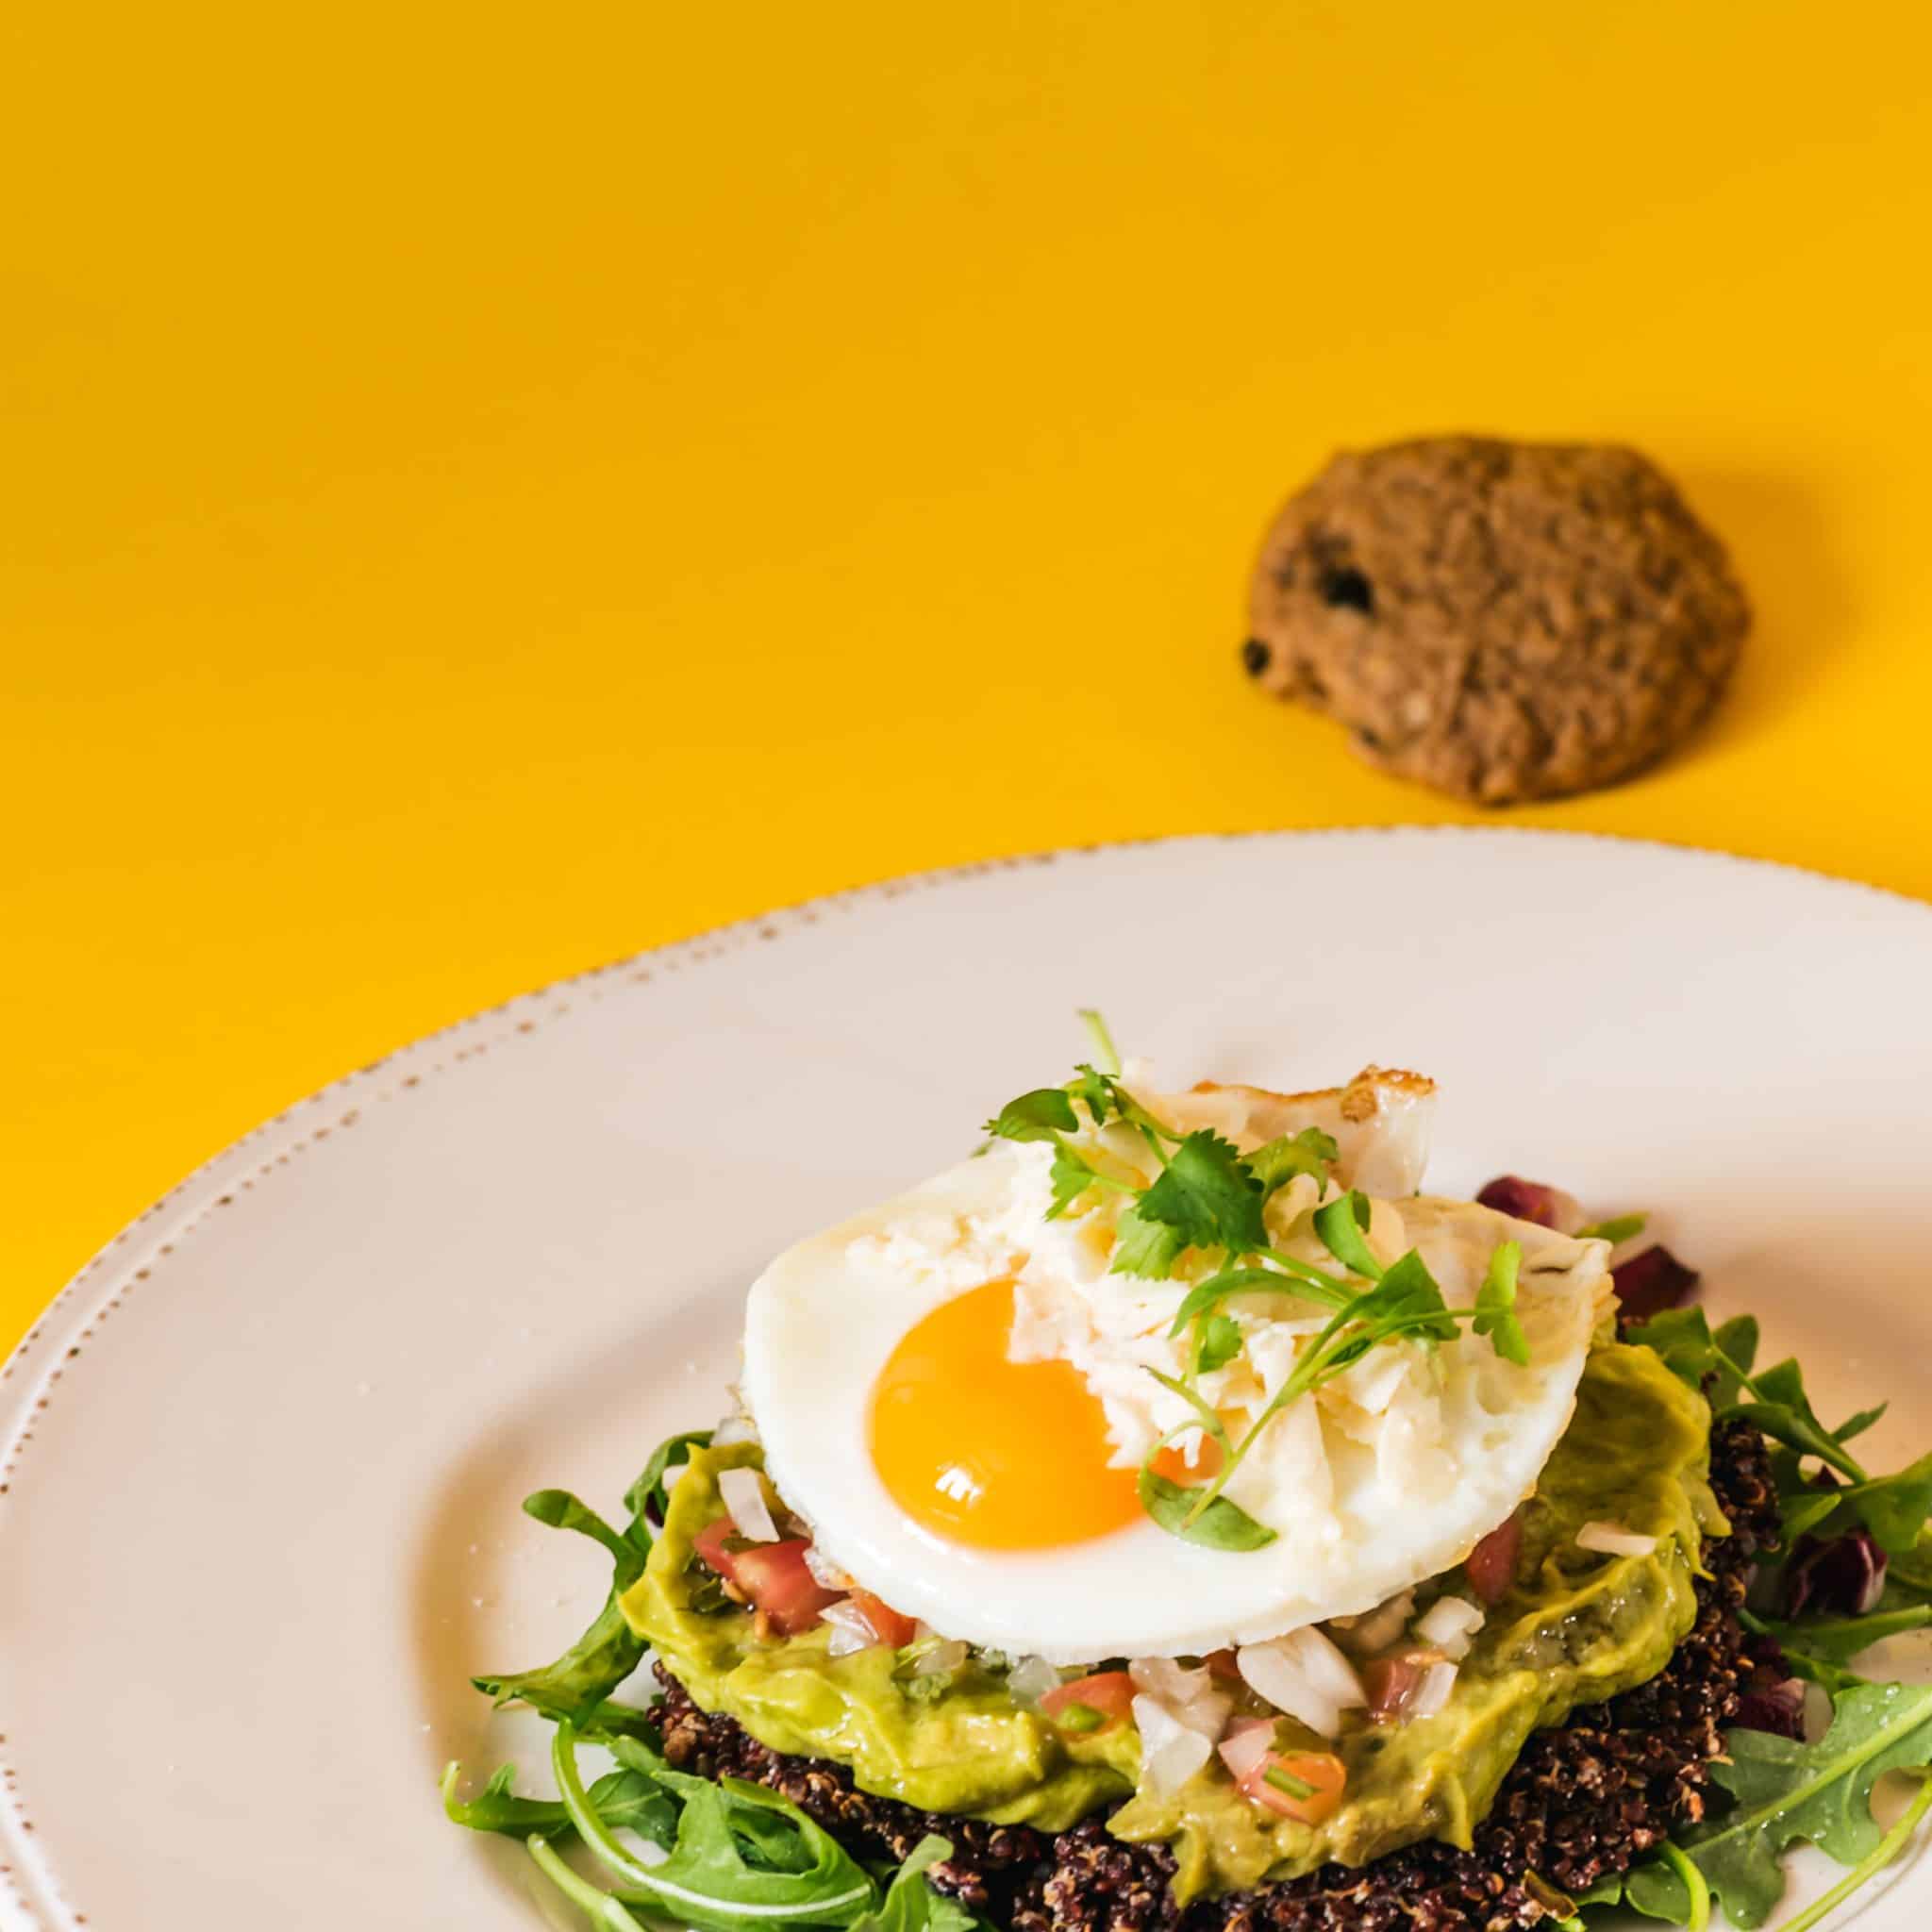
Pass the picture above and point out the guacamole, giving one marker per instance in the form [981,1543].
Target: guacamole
[1575,1628]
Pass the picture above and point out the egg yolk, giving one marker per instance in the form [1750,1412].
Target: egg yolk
[994,1453]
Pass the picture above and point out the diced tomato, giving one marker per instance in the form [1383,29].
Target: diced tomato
[1390,1682]
[1305,1786]
[1108,1695]
[887,1625]
[773,1577]
[710,1543]
[1492,1565]
[1222,1664]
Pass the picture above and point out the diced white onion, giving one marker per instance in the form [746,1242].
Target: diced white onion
[1613,1539]
[734,1428]
[1432,1693]
[941,1657]
[1450,1624]
[1172,1683]
[1030,1679]
[824,1573]
[744,1490]
[851,1633]
[1304,1674]
[1246,1745]
[1189,1696]
[1171,1753]
[1378,1628]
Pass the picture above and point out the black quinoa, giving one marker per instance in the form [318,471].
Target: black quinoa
[1587,1797]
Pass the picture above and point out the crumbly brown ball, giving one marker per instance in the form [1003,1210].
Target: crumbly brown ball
[1503,621]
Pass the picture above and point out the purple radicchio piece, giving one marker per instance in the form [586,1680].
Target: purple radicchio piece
[1649,1283]
[1772,1699]
[1842,1577]
[1525,1200]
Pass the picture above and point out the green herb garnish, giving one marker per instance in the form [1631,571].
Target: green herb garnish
[1619,1227]
[1285,1781]
[1208,1198]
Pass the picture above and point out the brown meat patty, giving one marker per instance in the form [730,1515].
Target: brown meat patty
[1587,1798]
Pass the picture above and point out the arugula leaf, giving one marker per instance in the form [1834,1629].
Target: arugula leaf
[584,1677]
[740,1854]
[1340,1224]
[1219,1342]
[1887,1848]
[1206,1197]
[1221,1526]
[1839,1640]
[605,1911]
[912,1905]
[1786,1791]
[1895,1508]
[1035,1116]
[1779,1408]
[1911,1570]
[626,1800]
[1857,1425]
[650,1495]
[1277,1162]
[560,1509]
[1495,1305]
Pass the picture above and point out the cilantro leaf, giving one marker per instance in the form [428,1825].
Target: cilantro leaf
[1277,1162]
[1143,1247]
[1293,1277]
[1340,1224]
[1221,1526]
[1406,1300]
[1495,1305]
[1072,1175]
[1220,1342]
[1208,1197]
[1786,1791]
[1035,1116]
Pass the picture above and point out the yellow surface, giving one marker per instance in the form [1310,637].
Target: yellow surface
[485,489]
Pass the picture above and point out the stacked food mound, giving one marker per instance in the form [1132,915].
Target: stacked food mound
[1170,1516]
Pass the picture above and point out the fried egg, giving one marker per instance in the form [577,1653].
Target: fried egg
[953,1392]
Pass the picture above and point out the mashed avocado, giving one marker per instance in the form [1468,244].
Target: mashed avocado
[1577,1628]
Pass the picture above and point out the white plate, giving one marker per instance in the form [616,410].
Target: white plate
[258,1504]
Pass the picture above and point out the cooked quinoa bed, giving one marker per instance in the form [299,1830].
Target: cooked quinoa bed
[1585,1798]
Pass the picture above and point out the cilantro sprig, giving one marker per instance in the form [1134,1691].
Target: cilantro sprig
[1209,1199]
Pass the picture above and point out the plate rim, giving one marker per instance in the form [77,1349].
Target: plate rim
[31,1897]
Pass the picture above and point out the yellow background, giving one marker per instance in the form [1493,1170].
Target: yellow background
[485,489]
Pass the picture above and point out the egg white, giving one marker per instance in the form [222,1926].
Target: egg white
[1391,1479]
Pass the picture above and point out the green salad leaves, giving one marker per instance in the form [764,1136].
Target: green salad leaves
[725,1856]
[1209,1199]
